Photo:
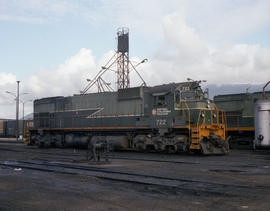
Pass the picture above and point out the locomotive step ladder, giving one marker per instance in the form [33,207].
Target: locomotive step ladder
[195,138]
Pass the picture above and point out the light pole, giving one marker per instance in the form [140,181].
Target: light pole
[17,98]
[23,102]
[17,110]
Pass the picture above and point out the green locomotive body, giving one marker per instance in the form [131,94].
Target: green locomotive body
[171,117]
[239,109]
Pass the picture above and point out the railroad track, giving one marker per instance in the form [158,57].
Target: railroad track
[38,151]
[194,186]
[110,156]
[11,142]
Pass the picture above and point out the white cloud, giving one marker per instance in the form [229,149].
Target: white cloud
[35,11]
[7,83]
[8,17]
[215,21]
[262,59]
[67,79]
[182,37]
[239,64]
[7,78]
[185,55]
[226,64]
[223,21]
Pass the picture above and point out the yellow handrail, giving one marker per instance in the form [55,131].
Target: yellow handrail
[199,117]
[185,103]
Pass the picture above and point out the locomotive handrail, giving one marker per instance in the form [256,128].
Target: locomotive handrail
[223,116]
[185,103]
[198,120]
[225,122]
[211,117]
[264,95]
[199,117]
[217,113]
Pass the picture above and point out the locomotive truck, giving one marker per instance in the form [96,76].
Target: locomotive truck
[170,117]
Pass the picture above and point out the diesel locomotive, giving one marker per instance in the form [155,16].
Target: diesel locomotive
[171,117]
[239,109]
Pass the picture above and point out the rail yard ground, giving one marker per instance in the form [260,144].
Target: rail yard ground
[62,179]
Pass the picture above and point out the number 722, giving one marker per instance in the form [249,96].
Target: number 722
[161,122]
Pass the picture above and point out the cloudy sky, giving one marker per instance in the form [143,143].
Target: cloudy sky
[52,46]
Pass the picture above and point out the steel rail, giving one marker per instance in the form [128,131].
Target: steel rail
[110,157]
[195,185]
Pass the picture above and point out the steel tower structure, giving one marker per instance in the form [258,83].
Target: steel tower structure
[123,80]
[120,60]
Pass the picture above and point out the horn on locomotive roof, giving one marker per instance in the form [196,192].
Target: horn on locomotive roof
[120,59]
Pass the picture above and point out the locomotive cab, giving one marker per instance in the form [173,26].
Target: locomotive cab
[204,120]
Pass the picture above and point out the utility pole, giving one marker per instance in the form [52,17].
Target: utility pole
[23,119]
[23,103]
[17,110]
[17,99]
